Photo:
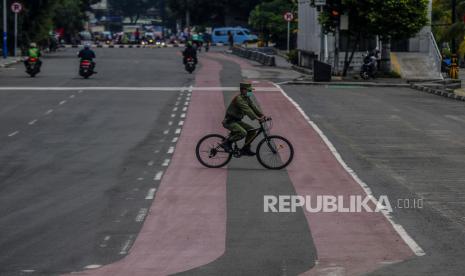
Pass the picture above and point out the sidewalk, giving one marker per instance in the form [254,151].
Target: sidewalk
[9,61]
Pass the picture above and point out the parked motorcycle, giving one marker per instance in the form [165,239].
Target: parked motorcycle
[369,67]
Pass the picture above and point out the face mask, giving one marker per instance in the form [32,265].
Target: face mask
[249,93]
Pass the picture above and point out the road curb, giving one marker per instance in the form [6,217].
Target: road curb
[8,64]
[447,93]
[127,46]
[339,83]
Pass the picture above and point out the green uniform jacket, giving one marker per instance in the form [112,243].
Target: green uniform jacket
[241,106]
[33,53]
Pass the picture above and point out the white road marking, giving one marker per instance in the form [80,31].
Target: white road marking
[126,245]
[80,91]
[188,99]
[175,109]
[49,112]
[179,98]
[156,151]
[92,266]
[176,103]
[173,115]
[140,178]
[150,163]
[166,163]
[170,150]
[128,88]
[178,130]
[399,228]
[158,176]
[28,270]
[13,133]
[184,108]
[181,123]
[72,96]
[175,139]
[151,193]
[183,115]
[186,103]
[141,215]
[170,123]
[166,132]
[32,122]
[62,102]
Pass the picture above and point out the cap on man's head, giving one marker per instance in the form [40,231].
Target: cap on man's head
[245,85]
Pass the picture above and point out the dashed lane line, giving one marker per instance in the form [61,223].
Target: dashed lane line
[166,163]
[151,194]
[13,133]
[158,176]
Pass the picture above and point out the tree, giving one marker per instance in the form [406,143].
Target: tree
[217,13]
[267,18]
[69,15]
[132,8]
[388,19]
[443,28]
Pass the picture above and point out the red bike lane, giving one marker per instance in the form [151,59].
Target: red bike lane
[185,227]
[349,243]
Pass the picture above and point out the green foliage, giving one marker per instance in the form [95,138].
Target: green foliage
[211,12]
[39,18]
[390,19]
[267,18]
[443,28]
[293,56]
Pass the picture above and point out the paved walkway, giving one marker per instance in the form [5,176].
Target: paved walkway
[8,61]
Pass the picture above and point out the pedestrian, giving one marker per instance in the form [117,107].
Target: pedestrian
[137,36]
[230,40]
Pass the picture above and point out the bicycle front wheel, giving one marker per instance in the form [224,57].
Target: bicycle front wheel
[275,152]
[210,153]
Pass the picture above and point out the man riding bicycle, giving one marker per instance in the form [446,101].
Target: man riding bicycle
[240,106]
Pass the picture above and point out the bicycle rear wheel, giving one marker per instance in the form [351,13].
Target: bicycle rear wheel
[275,152]
[210,153]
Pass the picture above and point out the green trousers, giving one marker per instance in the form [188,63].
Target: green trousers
[240,130]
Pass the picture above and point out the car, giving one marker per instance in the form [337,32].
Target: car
[241,35]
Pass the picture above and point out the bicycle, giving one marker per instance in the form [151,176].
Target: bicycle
[273,152]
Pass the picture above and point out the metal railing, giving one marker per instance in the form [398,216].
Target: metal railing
[434,52]
[255,55]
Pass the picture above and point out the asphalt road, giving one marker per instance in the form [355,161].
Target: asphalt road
[409,146]
[76,166]
[104,181]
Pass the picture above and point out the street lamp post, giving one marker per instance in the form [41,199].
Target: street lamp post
[5,46]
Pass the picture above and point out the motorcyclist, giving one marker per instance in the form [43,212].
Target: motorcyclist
[33,52]
[371,61]
[189,52]
[87,54]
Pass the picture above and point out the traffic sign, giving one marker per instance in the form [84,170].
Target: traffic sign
[288,16]
[16,7]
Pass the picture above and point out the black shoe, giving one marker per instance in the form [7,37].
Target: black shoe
[227,146]
[247,151]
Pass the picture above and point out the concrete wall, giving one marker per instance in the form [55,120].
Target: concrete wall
[308,38]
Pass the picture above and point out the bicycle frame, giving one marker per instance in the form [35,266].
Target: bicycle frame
[258,130]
